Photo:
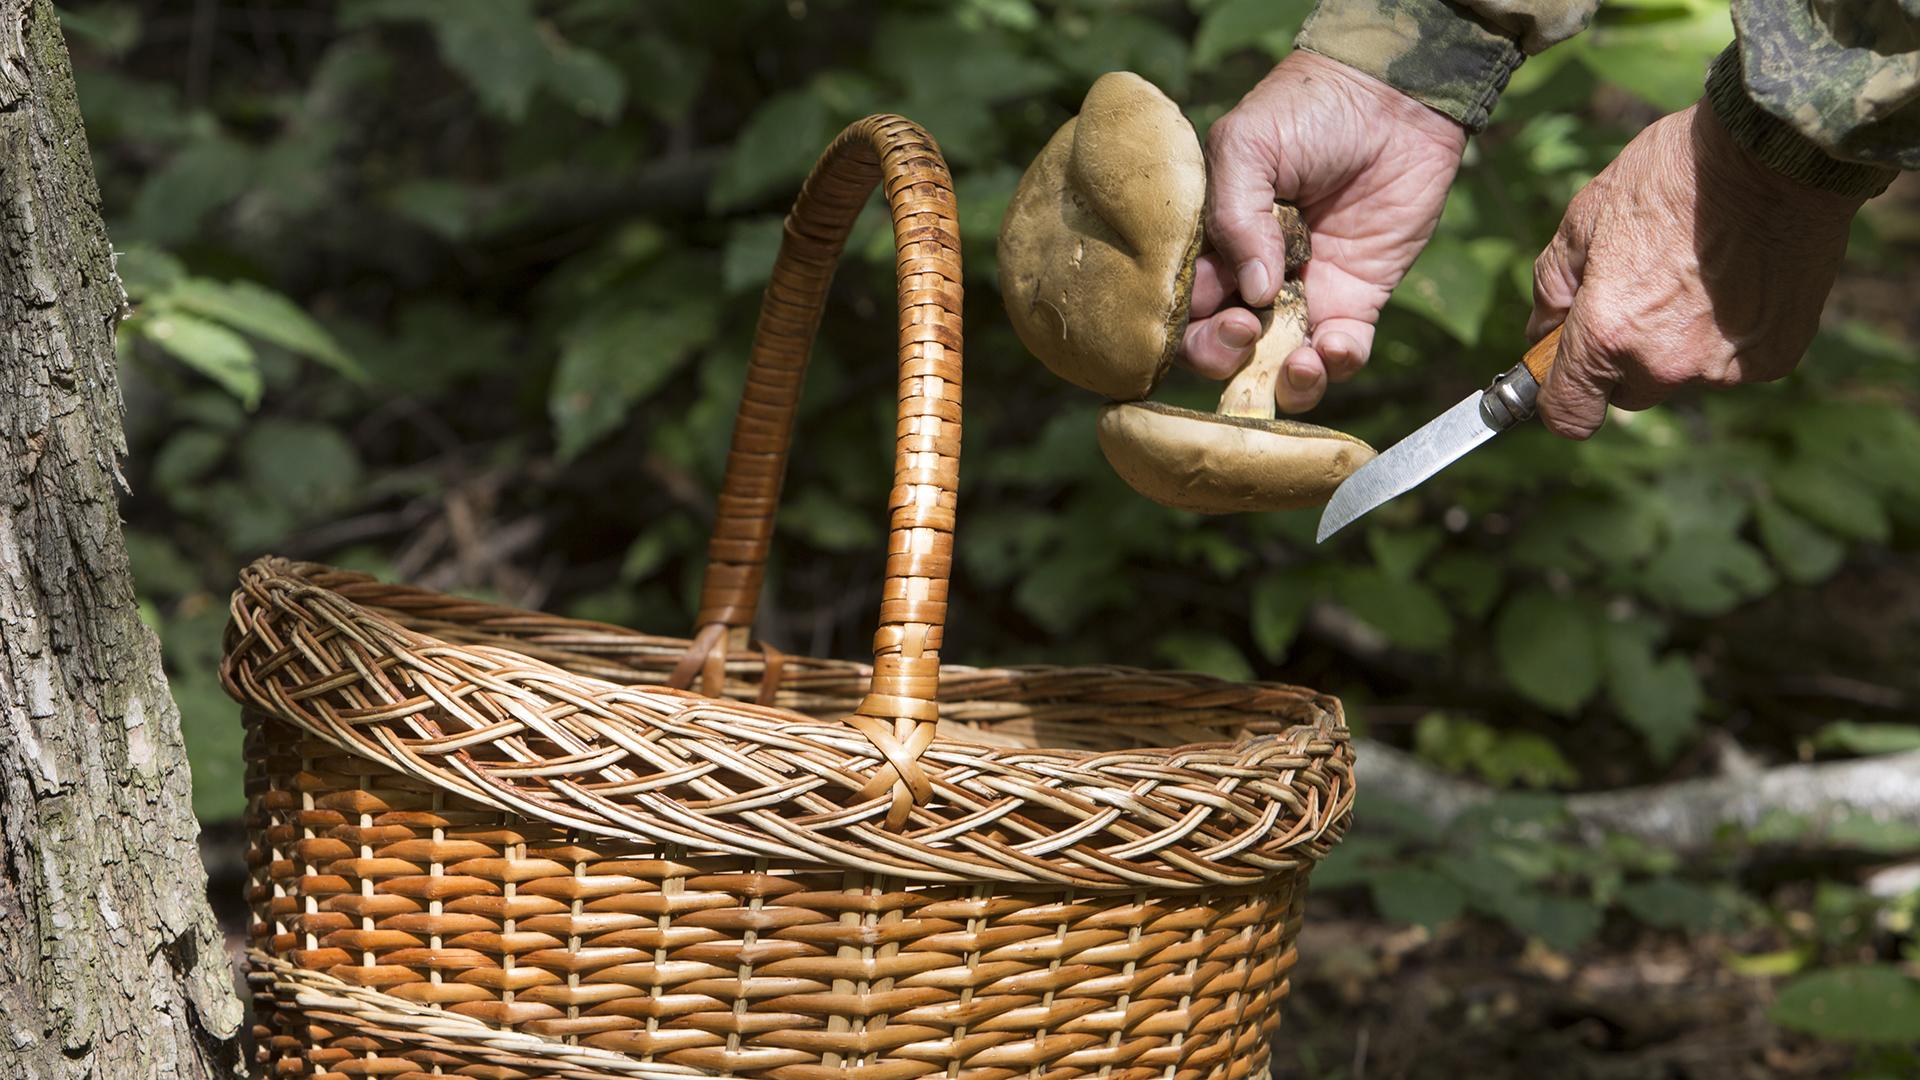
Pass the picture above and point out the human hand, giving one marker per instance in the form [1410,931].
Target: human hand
[1369,168]
[1685,261]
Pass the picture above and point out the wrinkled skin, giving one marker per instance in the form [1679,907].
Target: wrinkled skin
[1685,261]
[1369,169]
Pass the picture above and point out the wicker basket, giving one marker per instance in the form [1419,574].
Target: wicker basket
[492,843]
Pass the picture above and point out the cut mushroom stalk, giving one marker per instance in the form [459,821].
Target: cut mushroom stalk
[1283,328]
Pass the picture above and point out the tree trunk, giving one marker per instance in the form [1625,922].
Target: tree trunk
[110,962]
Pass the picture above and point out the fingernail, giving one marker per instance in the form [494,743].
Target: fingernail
[1300,378]
[1235,335]
[1252,276]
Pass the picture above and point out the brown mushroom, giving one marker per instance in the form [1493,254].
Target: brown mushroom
[1096,264]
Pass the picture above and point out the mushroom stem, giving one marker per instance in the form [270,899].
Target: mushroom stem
[1283,328]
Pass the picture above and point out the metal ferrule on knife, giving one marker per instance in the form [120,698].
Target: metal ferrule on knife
[1510,399]
[1442,440]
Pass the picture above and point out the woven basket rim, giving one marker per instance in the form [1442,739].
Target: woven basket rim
[1200,815]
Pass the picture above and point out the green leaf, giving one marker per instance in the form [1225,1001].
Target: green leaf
[775,149]
[159,569]
[1672,904]
[586,81]
[1399,552]
[208,348]
[145,271]
[257,310]
[1470,581]
[1803,553]
[185,457]
[210,726]
[1279,604]
[829,524]
[1207,653]
[981,197]
[1855,737]
[1062,591]
[1831,499]
[1528,760]
[933,58]
[1865,1003]
[1406,894]
[1661,699]
[1863,832]
[1407,613]
[441,207]
[665,77]
[1698,497]
[173,204]
[496,45]
[1836,829]
[1659,59]
[752,244]
[1769,965]
[1354,861]
[1576,533]
[1452,284]
[309,468]
[1562,923]
[1706,572]
[1118,41]
[1461,745]
[616,361]
[1269,25]
[1549,649]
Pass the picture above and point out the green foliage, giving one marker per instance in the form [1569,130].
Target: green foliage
[1870,1003]
[1854,737]
[1549,649]
[1502,758]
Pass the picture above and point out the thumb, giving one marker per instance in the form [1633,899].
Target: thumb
[1240,196]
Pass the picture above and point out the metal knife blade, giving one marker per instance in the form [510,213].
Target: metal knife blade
[1437,444]
[1441,441]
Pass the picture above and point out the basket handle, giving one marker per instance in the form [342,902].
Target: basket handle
[898,713]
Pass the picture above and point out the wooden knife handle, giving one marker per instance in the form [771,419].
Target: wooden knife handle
[1540,358]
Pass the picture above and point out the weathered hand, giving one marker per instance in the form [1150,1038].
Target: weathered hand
[1685,261]
[1369,168]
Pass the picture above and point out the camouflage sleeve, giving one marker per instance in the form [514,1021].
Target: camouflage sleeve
[1455,58]
[1824,91]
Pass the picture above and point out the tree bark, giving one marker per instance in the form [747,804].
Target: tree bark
[110,962]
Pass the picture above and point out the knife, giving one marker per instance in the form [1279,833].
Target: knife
[1443,440]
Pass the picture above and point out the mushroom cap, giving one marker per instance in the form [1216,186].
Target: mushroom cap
[1098,245]
[1216,464]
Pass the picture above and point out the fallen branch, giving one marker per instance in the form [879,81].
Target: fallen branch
[1686,815]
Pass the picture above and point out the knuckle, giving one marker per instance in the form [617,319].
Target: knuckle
[1721,372]
[1226,137]
[1606,336]
[1667,375]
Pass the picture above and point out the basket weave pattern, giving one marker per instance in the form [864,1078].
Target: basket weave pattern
[489,842]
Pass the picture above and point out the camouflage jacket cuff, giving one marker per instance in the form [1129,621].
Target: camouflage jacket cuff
[1780,147]
[1440,55]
